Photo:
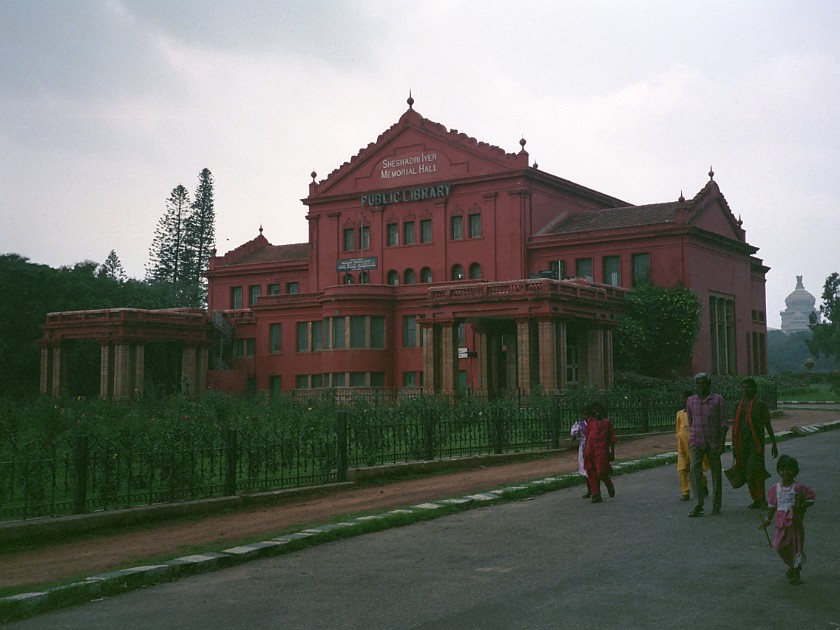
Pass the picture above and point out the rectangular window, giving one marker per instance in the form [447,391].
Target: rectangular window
[303,336]
[358,379]
[612,270]
[302,381]
[377,331]
[338,331]
[246,347]
[236,297]
[292,288]
[274,383]
[317,381]
[410,331]
[317,336]
[558,267]
[722,333]
[457,228]
[408,233]
[583,268]
[462,334]
[274,289]
[364,237]
[393,234]
[641,268]
[475,225]
[349,239]
[274,338]
[339,379]
[410,379]
[253,295]
[358,331]
[377,379]
[426,231]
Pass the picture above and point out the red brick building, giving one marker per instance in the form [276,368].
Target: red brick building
[436,261]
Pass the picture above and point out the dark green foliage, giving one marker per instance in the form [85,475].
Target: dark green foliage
[789,352]
[31,291]
[826,339]
[112,268]
[657,330]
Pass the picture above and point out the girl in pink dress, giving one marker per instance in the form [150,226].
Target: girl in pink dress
[579,432]
[787,500]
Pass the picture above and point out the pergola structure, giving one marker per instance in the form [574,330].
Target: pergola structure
[122,334]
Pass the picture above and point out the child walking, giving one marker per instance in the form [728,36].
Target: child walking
[599,452]
[579,432]
[787,500]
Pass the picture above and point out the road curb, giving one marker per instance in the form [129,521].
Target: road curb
[23,605]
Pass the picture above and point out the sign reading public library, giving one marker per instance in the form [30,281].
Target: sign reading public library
[420,193]
[357,264]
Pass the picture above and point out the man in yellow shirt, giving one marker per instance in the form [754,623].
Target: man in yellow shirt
[684,453]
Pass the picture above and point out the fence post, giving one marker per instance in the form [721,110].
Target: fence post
[429,434]
[80,461]
[341,438]
[230,460]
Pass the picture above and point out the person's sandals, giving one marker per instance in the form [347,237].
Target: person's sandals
[685,497]
[597,498]
[697,511]
[588,494]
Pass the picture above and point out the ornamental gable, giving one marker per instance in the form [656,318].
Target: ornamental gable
[415,159]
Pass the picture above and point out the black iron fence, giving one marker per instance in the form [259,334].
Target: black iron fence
[79,472]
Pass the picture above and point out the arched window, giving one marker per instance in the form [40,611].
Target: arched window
[457,272]
[393,277]
[425,275]
[364,277]
[475,271]
[348,279]
[409,276]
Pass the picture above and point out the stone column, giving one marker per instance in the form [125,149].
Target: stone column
[188,382]
[548,354]
[57,371]
[105,370]
[122,370]
[595,358]
[201,368]
[562,348]
[448,356]
[482,350]
[523,354]
[139,370]
[45,371]
[609,376]
[429,352]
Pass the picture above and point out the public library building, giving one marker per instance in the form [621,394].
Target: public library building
[439,263]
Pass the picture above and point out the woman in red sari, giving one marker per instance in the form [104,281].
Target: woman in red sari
[599,452]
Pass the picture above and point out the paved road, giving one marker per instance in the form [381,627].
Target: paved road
[555,561]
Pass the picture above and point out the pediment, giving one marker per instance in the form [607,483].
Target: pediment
[417,152]
[712,213]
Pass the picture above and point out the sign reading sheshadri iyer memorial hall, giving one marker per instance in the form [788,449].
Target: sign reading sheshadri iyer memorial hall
[411,165]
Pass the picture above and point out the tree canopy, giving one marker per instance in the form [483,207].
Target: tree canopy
[657,330]
[826,335]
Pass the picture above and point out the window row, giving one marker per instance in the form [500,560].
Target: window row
[410,232]
[409,276]
[254,292]
[610,269]
[340,379]
[340,333]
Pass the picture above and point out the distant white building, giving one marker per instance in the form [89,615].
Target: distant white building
[800,304]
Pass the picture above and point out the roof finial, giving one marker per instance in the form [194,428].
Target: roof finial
[410,101]
[711,173]
[681,199]
[260,228]
[522,141]
[313,174]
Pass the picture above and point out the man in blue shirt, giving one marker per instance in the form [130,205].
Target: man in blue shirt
[707,423]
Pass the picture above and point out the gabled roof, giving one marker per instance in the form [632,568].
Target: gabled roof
[412,120]
[259,250]
[613,218]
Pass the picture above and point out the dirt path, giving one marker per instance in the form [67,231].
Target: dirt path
[84,557]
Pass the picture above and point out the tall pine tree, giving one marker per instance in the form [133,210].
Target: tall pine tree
[112,268]
[169,256]
[201,234]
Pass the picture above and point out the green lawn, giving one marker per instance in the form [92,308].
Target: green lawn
[818,392]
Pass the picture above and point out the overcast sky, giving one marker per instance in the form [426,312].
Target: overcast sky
[107,105]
